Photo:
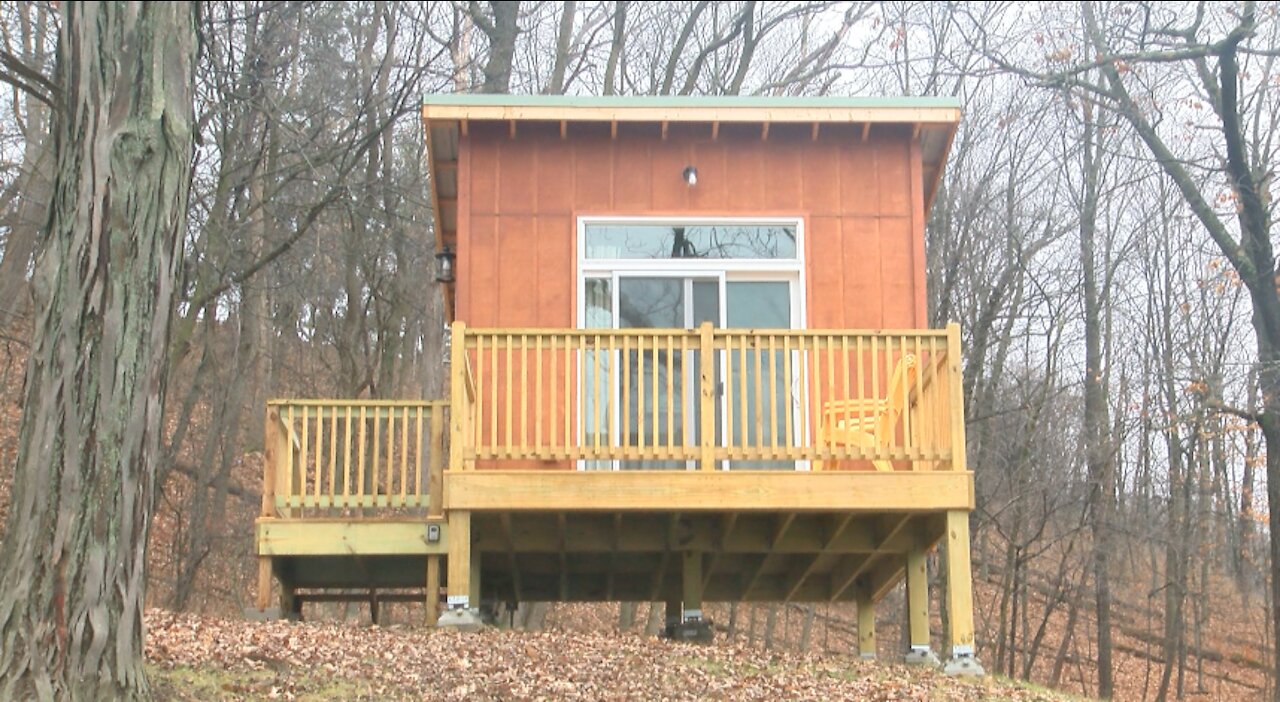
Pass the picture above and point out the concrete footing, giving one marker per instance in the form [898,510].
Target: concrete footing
[694,630]
[460,619]
[963,665]
[922,656]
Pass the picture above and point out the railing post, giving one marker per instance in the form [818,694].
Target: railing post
[707,388]
[955,385]
[435,463]
[270,461]
[459,407]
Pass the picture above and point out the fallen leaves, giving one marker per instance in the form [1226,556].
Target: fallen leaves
[292,661]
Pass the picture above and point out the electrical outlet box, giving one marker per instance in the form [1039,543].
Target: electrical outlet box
[433,533]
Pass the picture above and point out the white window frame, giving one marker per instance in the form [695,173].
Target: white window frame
[791,270]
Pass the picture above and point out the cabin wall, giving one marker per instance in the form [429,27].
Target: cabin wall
[862,203]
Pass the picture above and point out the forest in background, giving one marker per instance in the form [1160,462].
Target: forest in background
[1102,234]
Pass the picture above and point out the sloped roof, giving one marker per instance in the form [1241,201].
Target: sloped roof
[447,117]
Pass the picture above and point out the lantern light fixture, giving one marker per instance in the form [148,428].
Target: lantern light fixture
[445,259]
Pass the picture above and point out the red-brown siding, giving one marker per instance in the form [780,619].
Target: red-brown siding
[861,201]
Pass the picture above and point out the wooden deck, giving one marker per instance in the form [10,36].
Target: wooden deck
[679,466]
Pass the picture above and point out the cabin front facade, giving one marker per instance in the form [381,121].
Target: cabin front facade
[689,362]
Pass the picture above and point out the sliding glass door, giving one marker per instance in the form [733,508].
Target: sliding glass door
[733,275]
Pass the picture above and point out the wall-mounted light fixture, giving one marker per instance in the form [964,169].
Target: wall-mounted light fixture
[444,265]
[690,176]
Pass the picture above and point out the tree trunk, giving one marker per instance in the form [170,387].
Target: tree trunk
[1097,453]
[502,44]
[74,581]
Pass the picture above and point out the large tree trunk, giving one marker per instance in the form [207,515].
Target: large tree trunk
[71,594]
[1096,423]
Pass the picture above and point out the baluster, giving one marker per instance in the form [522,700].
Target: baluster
[362,449]
[537,396]
[787,393]
[524,395]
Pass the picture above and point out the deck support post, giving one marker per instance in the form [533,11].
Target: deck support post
[866,623]
[919,651]
[432,590]
[264,583]
[671,612]
[462,612]
[959,634]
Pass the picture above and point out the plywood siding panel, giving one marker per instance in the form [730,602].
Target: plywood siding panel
[476,270]
[863,245]
[556,274]
[746,179]
[861,269]
[632,176]
[896,264]
[667,163]
[517,161]
[783,171]
[825,277]
[714,180]
[893,171]
[592,167]
[859,183]
[821,179]
[517,271]
[483,176]
[554,177]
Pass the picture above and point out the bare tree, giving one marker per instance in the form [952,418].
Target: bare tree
[74,580]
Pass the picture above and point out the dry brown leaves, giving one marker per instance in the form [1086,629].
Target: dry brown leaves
[280,660]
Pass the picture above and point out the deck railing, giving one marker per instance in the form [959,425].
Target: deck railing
[353,458]
[706,398]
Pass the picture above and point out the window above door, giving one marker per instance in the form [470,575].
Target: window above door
[701,243]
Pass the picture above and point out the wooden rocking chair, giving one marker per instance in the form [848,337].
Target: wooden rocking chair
[868,423]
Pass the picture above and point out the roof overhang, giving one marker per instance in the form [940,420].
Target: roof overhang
[447,118]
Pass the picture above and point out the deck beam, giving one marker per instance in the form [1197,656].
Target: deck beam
[714,491]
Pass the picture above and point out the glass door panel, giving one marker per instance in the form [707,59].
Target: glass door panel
[758,411]
[654,381]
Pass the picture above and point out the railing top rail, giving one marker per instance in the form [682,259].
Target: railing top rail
[722,331]
[357,403]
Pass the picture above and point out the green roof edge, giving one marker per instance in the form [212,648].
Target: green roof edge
[687,101]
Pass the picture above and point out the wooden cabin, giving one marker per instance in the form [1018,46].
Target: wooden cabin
[690,362]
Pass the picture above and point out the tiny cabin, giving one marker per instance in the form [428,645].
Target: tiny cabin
[689,362]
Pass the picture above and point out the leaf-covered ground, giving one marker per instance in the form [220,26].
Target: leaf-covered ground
[201,658]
